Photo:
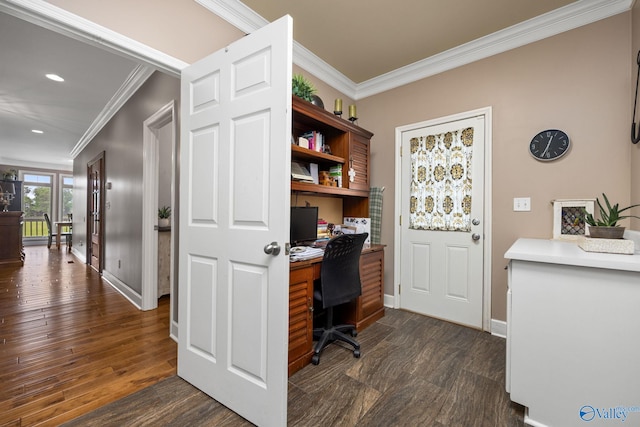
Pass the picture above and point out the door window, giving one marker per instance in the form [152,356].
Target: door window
[440,188]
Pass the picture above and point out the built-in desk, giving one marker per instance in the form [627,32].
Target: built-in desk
[362,312]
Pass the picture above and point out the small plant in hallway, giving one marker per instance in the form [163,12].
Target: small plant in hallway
[163,216]
[164,212]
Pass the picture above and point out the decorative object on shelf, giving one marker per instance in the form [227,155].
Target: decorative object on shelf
[7,194]
[606,227]
[549,145]
[10,175]
[569,217]
[302,88]
[164,213]
[317,101]
[352,113]
[634,137]
[337,107]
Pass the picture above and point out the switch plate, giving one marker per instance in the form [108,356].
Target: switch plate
[522,204]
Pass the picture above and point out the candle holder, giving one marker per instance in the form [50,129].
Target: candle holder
[337,107]
[353,119]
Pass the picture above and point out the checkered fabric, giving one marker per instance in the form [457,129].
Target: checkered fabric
[375,213]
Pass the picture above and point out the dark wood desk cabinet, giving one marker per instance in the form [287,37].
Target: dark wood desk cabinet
[362,312]
[11,250]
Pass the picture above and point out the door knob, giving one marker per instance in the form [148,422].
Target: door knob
[475,221]
[475,236]
[272,249]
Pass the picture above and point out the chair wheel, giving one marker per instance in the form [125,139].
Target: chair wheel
[354,333]
[315,359]
[356,354]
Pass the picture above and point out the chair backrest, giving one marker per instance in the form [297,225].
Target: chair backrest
[48,221]
[340,271]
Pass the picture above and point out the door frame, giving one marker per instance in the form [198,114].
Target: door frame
[487,239]
[150,167]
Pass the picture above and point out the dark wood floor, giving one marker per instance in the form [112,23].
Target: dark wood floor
[414,370]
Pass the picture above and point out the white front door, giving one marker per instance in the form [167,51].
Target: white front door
[442,229]
[234,200]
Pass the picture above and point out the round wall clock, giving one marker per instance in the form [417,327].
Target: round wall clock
[549,145]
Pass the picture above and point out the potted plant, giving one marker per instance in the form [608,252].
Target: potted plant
[10,175]
[606,227]
[164,213]
[302,88]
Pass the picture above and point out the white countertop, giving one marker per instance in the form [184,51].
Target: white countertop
[568,253]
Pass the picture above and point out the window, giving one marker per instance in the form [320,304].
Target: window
[66,196]
[36,201]
[37,198]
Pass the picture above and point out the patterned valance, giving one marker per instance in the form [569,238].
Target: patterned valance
[441,181]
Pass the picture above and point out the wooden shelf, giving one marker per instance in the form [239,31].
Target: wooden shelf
[301,153]
[326,190]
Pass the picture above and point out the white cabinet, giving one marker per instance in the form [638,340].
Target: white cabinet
[573,334]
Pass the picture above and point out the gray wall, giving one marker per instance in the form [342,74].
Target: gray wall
[121,140]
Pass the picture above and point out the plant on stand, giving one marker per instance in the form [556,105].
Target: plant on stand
[164,213]
[606,227]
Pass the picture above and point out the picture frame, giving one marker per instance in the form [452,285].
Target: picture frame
[569,218]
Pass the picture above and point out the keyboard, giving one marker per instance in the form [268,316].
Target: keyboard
[297,254]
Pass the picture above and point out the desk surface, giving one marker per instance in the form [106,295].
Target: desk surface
[306,263]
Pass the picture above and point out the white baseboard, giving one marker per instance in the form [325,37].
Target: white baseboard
[499,328]
[134,297]
[389,301]
[79,255]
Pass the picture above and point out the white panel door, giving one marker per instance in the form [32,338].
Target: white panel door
[442,271]
[234,199]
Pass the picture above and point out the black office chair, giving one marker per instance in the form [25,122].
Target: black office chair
[53,233]
[339,284]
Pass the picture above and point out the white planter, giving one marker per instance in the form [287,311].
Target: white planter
[163,222]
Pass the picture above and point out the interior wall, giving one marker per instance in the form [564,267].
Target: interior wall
[578,81]
[165,162]
[635,149]
[122,141]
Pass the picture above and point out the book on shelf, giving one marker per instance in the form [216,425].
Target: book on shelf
[316,140]
[300,172]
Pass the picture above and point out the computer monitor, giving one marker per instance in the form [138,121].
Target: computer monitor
[304,225]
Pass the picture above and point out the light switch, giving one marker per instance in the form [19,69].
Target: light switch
[522,204]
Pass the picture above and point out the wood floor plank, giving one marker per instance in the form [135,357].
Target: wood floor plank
[70,343]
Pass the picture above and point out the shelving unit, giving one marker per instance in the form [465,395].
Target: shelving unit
[349,145]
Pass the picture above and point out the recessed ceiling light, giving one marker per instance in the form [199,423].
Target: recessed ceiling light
[54,77]
[36,131]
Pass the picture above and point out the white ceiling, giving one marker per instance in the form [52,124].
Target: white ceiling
[359,47]
[63,111]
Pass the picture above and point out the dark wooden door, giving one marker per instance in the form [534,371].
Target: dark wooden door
[95,209]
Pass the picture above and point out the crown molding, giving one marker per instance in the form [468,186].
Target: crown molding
[138,76]
[63,22]
[566,18]
[235,13]
[62,166]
